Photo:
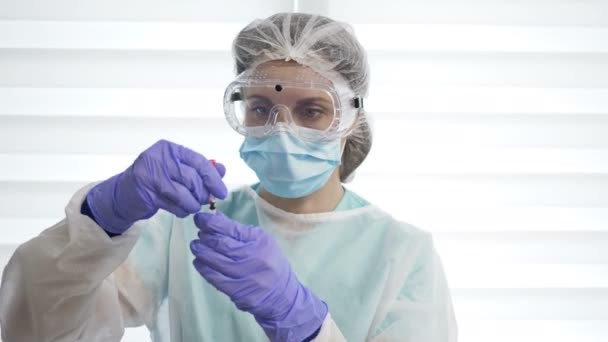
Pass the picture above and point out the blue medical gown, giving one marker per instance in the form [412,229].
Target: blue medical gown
[380,278]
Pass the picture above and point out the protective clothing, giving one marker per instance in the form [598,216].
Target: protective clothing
[246,263]
[381,278]
[288,166]
[167,176]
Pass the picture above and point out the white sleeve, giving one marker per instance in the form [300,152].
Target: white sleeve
[422,308]
[329,332]
[72,283]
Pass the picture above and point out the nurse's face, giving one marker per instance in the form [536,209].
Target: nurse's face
[293,93]
[317,101]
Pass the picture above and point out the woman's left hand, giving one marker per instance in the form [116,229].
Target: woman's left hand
[247,264]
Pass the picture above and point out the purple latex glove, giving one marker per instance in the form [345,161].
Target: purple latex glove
[247,264]
[165,176]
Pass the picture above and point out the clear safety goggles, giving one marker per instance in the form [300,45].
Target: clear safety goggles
[308,107]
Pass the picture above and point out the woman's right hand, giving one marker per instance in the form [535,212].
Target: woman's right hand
[165,176]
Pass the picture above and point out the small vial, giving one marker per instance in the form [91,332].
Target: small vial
[212,204]
[211,198]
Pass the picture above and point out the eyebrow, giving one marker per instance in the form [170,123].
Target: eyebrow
[313,99]
[316,99]
[258,97]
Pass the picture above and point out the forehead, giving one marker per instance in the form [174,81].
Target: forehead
[287,72]
[289,96]
[295,80]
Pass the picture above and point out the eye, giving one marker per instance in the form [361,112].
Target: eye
[259,110]
[311,113]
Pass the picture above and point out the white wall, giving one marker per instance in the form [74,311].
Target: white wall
[491,122]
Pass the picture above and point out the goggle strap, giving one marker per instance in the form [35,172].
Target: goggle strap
[358,102]
[236,96]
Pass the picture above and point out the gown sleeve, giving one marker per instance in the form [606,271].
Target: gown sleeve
[422,309]
[417,305]
[75,283]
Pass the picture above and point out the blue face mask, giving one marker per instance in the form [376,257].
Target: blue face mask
[289,167]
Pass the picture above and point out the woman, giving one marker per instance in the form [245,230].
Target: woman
[296,257]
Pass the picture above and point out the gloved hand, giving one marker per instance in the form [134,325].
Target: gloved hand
[247,264]
[167,176]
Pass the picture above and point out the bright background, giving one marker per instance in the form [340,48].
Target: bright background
[490,117]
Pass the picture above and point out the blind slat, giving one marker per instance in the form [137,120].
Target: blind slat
[110,69]
[490,275]
[85,35]
[483,38]
[532,304]
[489,12]
[84,68]
[147,10]
[23,34]
[479,330]
[439,192]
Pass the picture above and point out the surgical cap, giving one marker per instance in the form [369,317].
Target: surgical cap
[325,45]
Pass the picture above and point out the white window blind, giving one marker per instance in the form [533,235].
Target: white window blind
[490,121]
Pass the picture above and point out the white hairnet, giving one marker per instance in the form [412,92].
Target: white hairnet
[328,47]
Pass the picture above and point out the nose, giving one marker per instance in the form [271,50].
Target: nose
[280,113]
